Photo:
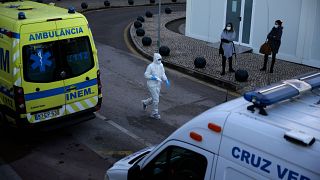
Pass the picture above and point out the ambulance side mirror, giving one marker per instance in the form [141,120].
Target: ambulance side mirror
[134,173]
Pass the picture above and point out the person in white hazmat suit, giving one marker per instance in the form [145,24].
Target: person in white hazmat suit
[155,75]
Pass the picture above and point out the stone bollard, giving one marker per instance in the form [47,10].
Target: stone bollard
[167,10]
[200,62]
[140,32]
[149,14]
[164,51]
[130,2]
[146,41]
[84,5]
[140,18]
[137,24]
[241,75]
[106,3]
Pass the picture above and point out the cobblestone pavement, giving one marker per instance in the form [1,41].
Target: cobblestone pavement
[97,4]
[185,49]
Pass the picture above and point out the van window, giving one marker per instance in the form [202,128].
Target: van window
[44,62]
[176,163]
[40,61]
[77,52]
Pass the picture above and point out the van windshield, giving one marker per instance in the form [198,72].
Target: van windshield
[44,62]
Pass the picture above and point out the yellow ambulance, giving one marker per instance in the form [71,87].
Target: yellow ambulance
[48,64]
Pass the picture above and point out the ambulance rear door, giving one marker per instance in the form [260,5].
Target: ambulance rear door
[41,79]
[81,69]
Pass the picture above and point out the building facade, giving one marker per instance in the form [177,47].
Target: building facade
[253,19]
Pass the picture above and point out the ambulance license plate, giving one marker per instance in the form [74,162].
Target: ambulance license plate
[46,115]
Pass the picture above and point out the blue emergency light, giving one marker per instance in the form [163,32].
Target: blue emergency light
[71,10]
[21,15]
[287,89]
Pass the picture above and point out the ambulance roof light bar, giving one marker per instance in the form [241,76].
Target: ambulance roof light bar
[287,89]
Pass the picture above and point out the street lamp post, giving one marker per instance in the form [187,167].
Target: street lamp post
[159,24]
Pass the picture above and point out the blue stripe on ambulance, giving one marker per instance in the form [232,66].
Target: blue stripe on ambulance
[57,91]
[14,35]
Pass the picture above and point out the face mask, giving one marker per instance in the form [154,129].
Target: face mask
[276,26]
[159,60]
[228,28]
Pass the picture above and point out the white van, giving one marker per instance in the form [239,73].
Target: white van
[263,136]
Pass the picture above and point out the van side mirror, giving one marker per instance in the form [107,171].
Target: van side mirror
[134,173]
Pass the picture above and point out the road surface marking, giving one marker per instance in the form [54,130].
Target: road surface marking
[123,130]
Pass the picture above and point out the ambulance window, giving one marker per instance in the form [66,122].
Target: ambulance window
[78,55]
[176,163]
[39,62]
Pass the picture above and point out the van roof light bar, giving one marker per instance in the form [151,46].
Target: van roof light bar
[285,90]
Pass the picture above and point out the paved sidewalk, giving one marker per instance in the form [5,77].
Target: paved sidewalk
[184,50]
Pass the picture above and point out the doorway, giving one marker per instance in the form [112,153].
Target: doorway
[239,13]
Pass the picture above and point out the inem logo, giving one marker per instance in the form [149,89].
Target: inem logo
[4,60]
[78,94]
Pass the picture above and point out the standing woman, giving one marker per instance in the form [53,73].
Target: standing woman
[274,40]
[227,49]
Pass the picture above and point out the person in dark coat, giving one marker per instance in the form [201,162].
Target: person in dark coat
[274,40]
[227,49]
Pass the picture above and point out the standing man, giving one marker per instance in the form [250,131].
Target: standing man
[155,74]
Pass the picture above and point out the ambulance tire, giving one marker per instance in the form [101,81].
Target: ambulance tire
[152,1]
[168,10]
[84,5]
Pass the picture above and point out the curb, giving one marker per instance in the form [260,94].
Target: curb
[193,72]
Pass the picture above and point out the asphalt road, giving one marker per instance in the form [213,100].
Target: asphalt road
[86,150]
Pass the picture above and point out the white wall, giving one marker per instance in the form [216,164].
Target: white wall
[265,14]
[315,46]
[301,33]
[198,19]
